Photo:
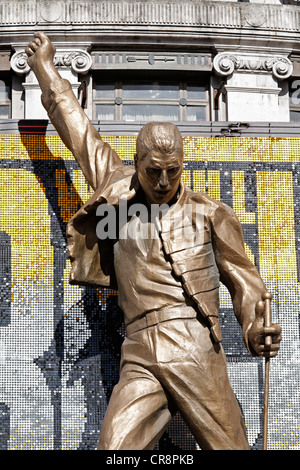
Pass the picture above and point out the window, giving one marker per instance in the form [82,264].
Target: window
[4,100]
[150,100]
[295,101]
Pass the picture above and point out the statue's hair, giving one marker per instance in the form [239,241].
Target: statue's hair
[164,137]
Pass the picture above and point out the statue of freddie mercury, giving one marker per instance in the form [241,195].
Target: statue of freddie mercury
[168,286]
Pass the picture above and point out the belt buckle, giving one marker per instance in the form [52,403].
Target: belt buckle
[152,318]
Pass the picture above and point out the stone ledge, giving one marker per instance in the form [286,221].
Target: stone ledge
[169,13]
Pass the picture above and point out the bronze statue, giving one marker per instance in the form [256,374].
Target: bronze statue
[172,357]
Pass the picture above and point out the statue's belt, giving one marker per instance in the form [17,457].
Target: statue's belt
[158,316]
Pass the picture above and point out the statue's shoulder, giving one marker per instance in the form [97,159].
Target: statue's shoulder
[202,198]
[209,205]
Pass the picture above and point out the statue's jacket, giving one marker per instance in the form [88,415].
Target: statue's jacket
[218,255]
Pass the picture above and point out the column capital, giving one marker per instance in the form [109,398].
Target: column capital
[225,63]
[78,60]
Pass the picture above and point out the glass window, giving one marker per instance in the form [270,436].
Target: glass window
[150,112]
[196,113]
[104,90]
[146,100]
[295,116]
[4,100]
[150,90]
[295,101]
[105,112]
[195,92]
[4,111]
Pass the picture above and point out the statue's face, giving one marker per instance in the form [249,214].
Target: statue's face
[159,175]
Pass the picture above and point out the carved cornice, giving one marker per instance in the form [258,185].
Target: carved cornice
[227,62]
[166,13]
[147,61]
[79,61]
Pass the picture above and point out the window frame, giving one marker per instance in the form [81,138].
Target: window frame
[294,107]
[182,103]
[6,79]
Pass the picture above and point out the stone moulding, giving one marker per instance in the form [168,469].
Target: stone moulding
[161,13]
[146,61]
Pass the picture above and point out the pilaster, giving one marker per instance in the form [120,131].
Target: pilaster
[255,85]
[70,63]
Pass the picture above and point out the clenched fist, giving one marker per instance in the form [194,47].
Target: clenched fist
[40,54]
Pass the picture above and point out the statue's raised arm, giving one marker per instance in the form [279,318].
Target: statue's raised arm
[95,157]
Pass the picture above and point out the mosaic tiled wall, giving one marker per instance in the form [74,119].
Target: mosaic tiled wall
[60,345]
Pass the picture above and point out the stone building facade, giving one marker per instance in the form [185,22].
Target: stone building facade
[200,60]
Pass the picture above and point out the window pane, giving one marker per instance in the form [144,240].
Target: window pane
[150,112]
[295,95]
[4,91]
[4,112]
[105,112]
[295,116]
[196,92]
[105,90]
[196,113]
[151,90]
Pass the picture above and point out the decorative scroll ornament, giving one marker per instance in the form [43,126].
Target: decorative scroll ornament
[19,63]
[226,63]
[79,61]
[282,68]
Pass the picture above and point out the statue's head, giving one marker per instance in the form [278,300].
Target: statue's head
[159,161]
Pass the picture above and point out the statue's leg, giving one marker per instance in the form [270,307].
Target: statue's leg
[137,413]
[193,371]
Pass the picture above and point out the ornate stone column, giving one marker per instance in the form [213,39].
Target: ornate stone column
[255,85]
[69,62]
